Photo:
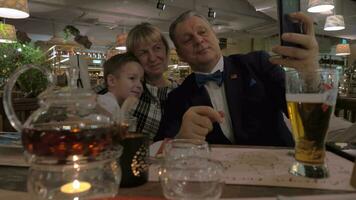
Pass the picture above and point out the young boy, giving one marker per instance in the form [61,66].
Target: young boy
[122,74]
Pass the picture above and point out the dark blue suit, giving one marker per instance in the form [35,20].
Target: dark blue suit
[255,94]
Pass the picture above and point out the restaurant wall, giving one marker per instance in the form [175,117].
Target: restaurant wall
[245,44]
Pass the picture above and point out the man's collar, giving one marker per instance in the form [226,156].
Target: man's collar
[218,66]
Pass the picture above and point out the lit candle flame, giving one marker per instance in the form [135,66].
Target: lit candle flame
[75,187]
[75,158]
[76,184]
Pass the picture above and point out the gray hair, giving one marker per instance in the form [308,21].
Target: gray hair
[182,18]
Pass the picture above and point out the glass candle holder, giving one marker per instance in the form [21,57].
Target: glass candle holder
[77,179]
[134,160]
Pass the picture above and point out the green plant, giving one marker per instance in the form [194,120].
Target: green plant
[70,30]
[16,55]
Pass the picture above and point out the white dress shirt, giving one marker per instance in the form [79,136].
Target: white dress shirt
[218,100]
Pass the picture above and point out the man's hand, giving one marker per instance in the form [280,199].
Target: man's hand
[301,59]
[198,121]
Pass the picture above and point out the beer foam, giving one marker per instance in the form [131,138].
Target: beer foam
[307,98]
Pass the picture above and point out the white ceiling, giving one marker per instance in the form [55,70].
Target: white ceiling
[102,20]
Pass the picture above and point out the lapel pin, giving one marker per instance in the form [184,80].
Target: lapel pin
[233,76]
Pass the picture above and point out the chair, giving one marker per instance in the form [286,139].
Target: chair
[23,109]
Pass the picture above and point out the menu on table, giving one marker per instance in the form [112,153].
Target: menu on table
[269,167]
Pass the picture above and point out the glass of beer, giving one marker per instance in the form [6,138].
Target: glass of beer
[311,96]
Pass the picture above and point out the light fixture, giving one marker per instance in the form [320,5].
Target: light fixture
[318,6]
[161,5]
[211,13]
[7,33]
[121,41]
[334,23]
[14,9]
[120,48]
[343,49]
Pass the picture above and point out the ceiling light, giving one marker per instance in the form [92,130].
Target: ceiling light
[7,33]
[121,41]
[317,6]
[121,48]
[334,23]
[14,9]
[160,5]
[343,49]
[261,9]
[211,13]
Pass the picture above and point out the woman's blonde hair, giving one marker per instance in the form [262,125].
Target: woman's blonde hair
[144,33]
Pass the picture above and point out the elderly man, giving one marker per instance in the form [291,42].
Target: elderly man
[237,99]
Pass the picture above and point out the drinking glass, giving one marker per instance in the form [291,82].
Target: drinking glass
[134,160]
[191,177]
[135,153]
[178,148]
[311,96]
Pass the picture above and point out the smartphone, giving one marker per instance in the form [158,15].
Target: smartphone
[286,25]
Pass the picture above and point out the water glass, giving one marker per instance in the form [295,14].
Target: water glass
[179,148]
[191,177]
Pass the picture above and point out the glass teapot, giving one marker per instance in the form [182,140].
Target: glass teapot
[68,122]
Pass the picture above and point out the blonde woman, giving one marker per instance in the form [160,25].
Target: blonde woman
[151,48]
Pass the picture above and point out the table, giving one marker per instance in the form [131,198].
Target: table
[13,180]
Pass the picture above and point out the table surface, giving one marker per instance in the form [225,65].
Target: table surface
[13,184]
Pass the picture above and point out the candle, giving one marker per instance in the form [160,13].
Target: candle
[75,187]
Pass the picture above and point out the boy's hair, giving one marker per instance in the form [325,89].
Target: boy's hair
[115,63]
[143,33]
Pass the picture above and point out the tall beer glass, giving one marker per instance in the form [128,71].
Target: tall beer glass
[311,96]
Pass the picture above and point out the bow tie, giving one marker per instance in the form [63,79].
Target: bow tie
[201,79]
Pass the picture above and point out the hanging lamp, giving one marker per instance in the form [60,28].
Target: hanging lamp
[318,6]
[343,49]
[121,41]
[7,33]
[334,23]
[14,9]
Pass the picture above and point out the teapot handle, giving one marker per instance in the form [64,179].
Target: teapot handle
[7,101]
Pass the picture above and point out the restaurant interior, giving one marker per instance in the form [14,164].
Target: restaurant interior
[71,40]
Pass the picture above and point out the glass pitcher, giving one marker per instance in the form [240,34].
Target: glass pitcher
[68,142]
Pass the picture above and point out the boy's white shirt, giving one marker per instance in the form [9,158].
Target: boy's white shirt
[109,102]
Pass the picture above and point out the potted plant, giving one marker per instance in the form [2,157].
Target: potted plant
[28,86]
[14,55]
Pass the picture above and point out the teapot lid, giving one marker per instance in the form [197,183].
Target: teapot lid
[70,94]
[66,95]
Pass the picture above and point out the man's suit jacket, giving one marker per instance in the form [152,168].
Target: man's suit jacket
[255,94]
